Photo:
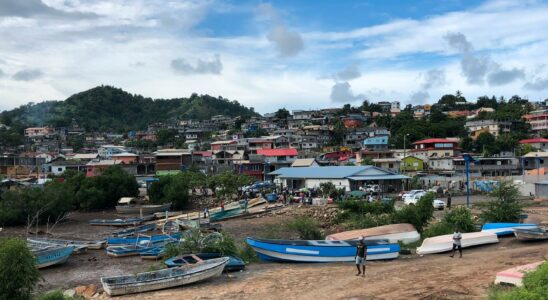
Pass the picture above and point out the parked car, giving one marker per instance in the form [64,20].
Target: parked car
[373,188]
[412,199]
[438,204]
[258,186]
[411,193]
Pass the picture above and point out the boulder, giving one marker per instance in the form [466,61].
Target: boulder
[69,293]
[90,291]
[79,290]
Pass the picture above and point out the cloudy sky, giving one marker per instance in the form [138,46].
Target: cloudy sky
[293,54]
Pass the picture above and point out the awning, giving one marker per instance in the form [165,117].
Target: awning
[125,200]
[380,177]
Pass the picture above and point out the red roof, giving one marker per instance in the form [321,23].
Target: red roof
[278,152]
[532,141]
[429,141]
[203,153]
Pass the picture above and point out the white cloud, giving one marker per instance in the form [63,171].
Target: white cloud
[213,66]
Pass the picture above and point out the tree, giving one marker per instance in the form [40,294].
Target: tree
[506,207]
[282,114]
[170,189]
[166,136]
[486,143]
[467,144]
[337,136]
[461,218]
[18,274]
[367,161]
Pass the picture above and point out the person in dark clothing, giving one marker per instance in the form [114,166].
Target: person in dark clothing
[449,200]
[361,256]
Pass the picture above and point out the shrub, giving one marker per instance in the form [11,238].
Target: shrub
[18,274]
[436,229]
[459,217]
[170,188]
[307,228]
[506,208]
[53,295]
[418,214]
[535,287]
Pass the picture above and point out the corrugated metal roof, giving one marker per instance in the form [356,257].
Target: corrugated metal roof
[333,172]
[278,152]
[380,177]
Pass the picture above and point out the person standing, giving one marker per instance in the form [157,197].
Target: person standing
[361,256]
[457,237]
[448,200]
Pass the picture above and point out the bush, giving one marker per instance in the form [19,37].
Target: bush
[18,274]
[436,229]
[506,208]
[461,218]
[307,228]
[535,287]
[54,295]
[170,188]
[418,215]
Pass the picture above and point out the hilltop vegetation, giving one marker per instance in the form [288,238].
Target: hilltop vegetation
[110,109]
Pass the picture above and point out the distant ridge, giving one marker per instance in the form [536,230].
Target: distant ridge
[110,109]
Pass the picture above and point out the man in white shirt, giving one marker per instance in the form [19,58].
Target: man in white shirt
[457,237]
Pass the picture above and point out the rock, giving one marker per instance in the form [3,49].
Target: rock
[90,291]
[69,293]
[80,290]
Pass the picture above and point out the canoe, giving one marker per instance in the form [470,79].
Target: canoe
[133,231]
[506,228]
[225,214]
[121,222]
[234,263]
[92,245]
[50,256]
[444,243]
[394,233]
[132,250]
[144,238]
[142,209]
[320,250]
[154,253]
[162,214]
[535,234]
[39,245]
[163,279]
[515,275]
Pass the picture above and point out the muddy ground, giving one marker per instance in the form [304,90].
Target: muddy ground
[409,277]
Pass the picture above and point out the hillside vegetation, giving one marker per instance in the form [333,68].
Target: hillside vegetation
[110,109]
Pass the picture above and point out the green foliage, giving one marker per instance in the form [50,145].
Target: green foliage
[367,161]
[436,229]
[356,214]
[459,217]
[337,134]
[418,214]
[166,136]
[485,143]
[306,227]
[535,287]
[170,188]
[53,295]
[228,183]
[506,207]
[282,114]
[18,275]
[125,111]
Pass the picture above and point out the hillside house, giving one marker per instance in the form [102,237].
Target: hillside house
[435,147]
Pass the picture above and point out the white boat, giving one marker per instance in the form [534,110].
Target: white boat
[142,209]
[394,233]
[444,243]
[92,245]
[515,275]
[535,234]
[163,279]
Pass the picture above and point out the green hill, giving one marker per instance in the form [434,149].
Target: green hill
[110,109]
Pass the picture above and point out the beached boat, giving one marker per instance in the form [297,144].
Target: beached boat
[394,233]
[225,214]
[154,253]
[163,279]
[132,250]
[506,228]
[134,231]
[39,245]
[121,222]
[515,275]
[142,209]
[444,243]
[143,238]
[320,250]
[52,255]
[92,245]
[234,263]
[535,234]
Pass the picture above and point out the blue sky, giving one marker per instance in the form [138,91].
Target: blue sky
[271,54]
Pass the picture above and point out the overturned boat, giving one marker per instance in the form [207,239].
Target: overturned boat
[444,243]
[163,279]
[405,233]
[320,250]
[515,275]
[52,255]
[506,228]
[534,234]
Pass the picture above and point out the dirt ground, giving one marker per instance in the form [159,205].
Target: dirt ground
[409,277]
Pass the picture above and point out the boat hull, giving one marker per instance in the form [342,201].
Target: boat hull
[144,209]
[234,264]
[321,251]
[52,256]
[537,234]
[394,233]
[502,229]
[515,275]
[444,243]
[163,279]
[142,239]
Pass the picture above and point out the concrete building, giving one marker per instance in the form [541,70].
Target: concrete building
[169,161]
[490,166]
[538,120]
[435,148]
[376,143]
[492,126]
[537,143]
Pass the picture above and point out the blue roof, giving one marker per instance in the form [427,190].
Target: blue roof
[337,172]
[377,140]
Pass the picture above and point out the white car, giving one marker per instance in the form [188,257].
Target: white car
[412,199]
[438,204]
[410,194]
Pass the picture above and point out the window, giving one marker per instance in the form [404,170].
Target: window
[415,164]
[59,169]
[390,165]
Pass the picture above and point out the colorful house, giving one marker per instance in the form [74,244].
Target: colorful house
[435,148]
[412,164]
[126,158]
[537,143]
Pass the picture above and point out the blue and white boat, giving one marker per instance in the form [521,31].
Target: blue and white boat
[134,231]
[234,263]
[320,250]
[137,249]
[121,222]
[50,256]
[140,239]
[506,228]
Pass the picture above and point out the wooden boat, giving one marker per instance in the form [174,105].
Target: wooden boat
[134,231]
[163,279]
[394,233]
[225,214]
[141,239]
[506,228]
[535,234]
[39,245]
[52,255]
[154,253]
[163,214]
[121,222]
[142,209]
[515,275]
[234,263]
[92,245]
[320,250]
[132,250]
[444,243]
